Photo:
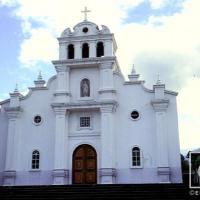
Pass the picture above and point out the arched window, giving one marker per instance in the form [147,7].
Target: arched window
[71,51]
[85,88]
[100,49]
[35,159]
[136,157]
[85,50]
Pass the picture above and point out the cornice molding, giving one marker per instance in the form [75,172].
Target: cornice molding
[65,39]
[83,61]
[88,105]
[160,104]
[15,94]
[13,112]
[107,90]
[134,82]
[106,65]
[37,88]
[62,93]
[158,86]
[62,68]
[108,108]
[59,108]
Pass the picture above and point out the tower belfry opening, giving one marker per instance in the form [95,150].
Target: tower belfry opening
[71,51]
[85,50]
[100,49]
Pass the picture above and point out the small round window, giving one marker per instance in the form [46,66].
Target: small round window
[37,119]
[135,115]
[85,30]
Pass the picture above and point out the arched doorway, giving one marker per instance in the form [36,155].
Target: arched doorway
[84,169]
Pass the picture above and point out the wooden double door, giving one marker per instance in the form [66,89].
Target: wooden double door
[84,165]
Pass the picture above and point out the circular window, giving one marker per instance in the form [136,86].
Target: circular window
[85,30]
[37,119]
[135,115]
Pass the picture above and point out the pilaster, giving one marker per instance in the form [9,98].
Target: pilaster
[107,170]
[160,106]
[92,49]
[78,50]
[106,91]
[159,90]
[108,47]
[60,172]
[62,93]
[63,51]
[13,114]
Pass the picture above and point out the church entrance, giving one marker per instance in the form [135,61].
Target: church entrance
[84,165]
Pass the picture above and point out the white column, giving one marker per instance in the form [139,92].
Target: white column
[78,50]
[160,106]
[60,172]
[108,48]
[11,149]
[62,92]
[92,48]
[107,170]
[62,51]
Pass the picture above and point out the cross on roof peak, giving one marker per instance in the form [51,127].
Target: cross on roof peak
[85,11]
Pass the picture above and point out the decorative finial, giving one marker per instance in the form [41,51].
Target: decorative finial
[133,70]
[16,89]
[39,82]
[85,11]
[158,80]
[39,76]
[133,76]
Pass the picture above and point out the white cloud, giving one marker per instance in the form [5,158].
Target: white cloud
[157,4]
[39,47]
[189,114]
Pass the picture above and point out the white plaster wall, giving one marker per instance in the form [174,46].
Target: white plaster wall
[33,137]
[127,133]
[142,133]
[76,75]
[74,126]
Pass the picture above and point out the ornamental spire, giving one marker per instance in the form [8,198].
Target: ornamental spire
[158,80]
[16,89]
[133,70]
[39,82]
[39,76]
[133,76]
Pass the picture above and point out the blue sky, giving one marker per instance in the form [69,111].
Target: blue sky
[158,36]
[142,12]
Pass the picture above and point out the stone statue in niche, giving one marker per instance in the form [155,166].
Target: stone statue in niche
[85,88]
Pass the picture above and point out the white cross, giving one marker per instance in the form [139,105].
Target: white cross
[85,12]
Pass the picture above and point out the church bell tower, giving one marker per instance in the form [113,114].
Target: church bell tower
[85,47]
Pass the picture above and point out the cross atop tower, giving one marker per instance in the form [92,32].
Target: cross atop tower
[85,11]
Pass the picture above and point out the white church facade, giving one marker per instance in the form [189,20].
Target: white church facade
[87,124]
